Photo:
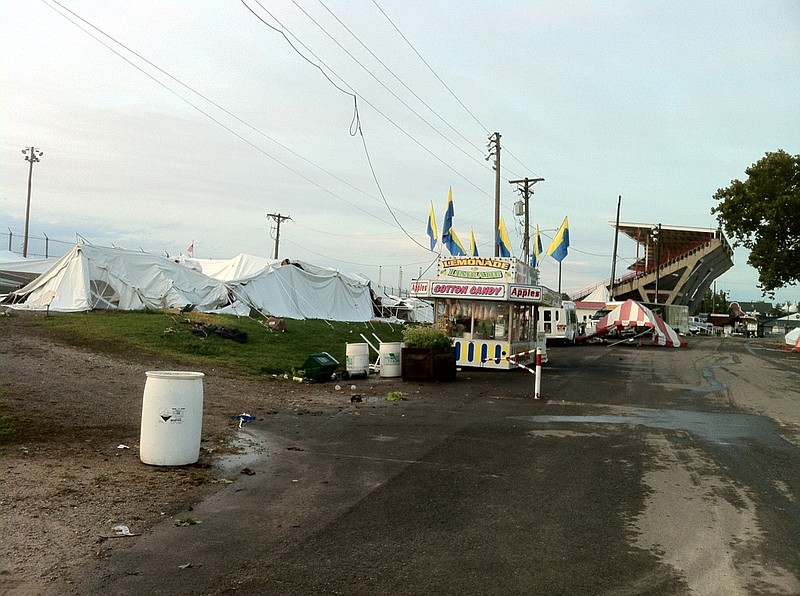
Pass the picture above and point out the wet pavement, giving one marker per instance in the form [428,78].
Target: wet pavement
[643,471]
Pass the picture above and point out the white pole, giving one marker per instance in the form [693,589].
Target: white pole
[537,386]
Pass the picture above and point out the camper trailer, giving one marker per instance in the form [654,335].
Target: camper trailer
[559,324]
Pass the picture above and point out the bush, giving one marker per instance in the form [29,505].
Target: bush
[426,337]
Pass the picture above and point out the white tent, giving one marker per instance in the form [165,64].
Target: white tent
[793,338]
[238,267]
[297,290]
[16,270]
[304,291]
[91,277]
[599,294]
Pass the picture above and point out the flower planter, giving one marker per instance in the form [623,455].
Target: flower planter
[428,364]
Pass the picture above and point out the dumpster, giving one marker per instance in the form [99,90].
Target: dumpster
[320,367]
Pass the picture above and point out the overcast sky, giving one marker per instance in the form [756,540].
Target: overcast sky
[176,122]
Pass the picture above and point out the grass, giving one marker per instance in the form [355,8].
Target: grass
[170,336]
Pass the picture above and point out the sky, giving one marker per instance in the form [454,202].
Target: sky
[175,123]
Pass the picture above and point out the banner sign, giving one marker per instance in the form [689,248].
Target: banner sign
[525,293]
[467,290]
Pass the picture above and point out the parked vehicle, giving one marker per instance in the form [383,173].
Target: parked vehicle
[559,325]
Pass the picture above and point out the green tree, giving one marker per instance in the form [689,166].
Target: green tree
[714,303]
[763,214]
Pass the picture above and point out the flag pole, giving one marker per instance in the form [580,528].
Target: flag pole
[559,278]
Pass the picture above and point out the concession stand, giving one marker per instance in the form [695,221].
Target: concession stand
[489,306]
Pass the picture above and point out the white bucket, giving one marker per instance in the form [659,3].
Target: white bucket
[172,418]
[357,359]
[391,354]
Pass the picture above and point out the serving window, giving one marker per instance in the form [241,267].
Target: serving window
[474,319]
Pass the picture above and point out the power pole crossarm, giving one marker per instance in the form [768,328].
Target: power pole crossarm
[525,186]
[278,219]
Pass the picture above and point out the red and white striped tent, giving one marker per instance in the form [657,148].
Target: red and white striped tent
[630,315]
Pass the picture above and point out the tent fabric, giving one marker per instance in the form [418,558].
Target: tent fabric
[599,294]
[297,290]
[17,271]
[306,292]
[90,277]
[793,339]
[630,315]
[238,267]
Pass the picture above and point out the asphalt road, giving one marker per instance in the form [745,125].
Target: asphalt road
[642,471]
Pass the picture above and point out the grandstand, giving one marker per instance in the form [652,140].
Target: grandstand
[681,266]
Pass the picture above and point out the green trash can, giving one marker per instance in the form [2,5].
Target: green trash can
[320,367]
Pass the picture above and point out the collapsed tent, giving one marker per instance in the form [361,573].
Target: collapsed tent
[16,271]
[631,315]
[302,291]
[792,339]
[294,290]
[91,277]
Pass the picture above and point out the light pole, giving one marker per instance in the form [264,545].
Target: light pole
[32,155]
[656,235]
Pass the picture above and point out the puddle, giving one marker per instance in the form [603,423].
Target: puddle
[250,446]
[715,427]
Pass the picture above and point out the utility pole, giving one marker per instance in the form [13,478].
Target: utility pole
[32,155]
[278,218]
[494,149]
[525,187]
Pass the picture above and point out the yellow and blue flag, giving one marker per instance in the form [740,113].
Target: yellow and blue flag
[433,233]
[536,257]
[449,237]
[473,246]
[558,247]
[502,239]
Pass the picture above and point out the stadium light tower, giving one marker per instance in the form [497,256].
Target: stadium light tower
[32,155]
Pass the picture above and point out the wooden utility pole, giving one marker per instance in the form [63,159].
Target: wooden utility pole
[494,149]
[278,218]
[32,155]
[525,187]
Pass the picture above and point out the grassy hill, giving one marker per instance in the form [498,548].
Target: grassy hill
[195,338]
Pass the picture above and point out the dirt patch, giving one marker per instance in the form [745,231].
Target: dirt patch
[72,472]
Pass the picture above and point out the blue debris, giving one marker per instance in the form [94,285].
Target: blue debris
[243,418]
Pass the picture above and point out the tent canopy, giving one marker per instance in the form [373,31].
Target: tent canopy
[91,277]
[631,315]
[793,338]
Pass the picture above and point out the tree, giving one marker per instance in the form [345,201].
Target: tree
[714,302]
[763,214]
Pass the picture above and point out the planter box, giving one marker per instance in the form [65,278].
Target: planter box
[424,364]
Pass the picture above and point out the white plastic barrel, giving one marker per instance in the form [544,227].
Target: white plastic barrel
[391,353]
[357,359]
[172,418]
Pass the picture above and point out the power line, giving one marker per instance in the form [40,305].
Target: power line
[400,33]
[216,105]
[285,30]
[390,71]
[435,74]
